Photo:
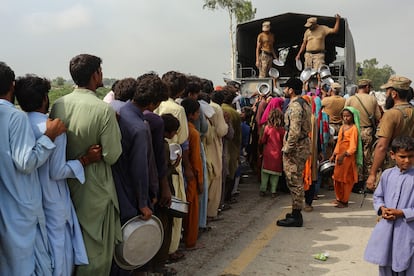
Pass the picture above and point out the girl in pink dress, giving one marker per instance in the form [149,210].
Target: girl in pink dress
[272,140]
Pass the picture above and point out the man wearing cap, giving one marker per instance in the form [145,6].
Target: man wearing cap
[296,148]
[314,42]
[369,115]
[397,121]
[264,50]
[332,105]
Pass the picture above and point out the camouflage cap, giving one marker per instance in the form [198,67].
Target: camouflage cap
[311,21]
[364,82]
[266,26]
[397,82]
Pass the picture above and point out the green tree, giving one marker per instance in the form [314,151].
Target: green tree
[239,11]
[59,81]
[370,70]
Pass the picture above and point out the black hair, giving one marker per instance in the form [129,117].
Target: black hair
[207,86]
[402,143]
[175,81]
[402,94]
[30,91]
[217,97]
[204,96]
[113,85]
[190,106]
[193,86]
[6,78]
[150,90]
[124,89]
[82,67]
[170,122]
[410,94]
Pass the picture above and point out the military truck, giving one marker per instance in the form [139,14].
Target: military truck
[288,30]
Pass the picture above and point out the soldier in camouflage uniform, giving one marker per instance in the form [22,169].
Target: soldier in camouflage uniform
[296,149]
[397,121]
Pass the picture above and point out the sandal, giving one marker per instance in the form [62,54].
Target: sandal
[204,229]
[165,271]
[341,205]
[175,257]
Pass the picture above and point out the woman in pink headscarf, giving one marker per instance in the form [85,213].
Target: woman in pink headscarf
[276,102]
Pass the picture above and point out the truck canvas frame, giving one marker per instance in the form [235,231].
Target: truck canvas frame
[288,30]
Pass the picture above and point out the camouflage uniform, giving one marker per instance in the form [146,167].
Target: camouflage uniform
[296,148]
[265,64]
[367,138]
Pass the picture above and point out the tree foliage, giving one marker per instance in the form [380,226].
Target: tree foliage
[378,76]
[238,11]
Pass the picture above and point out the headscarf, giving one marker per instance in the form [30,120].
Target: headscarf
[322,121]
[359,155]
[276,102]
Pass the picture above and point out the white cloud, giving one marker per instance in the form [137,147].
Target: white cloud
[50,22]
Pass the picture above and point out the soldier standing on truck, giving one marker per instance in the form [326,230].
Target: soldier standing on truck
[314,42]
[264,50]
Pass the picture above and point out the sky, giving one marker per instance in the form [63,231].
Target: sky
[137,36]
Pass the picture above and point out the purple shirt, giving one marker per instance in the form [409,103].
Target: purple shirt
[157,132]
[391,242]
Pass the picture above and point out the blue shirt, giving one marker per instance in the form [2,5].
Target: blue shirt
[22,220]
[63,230]
[391,242]
[132,174]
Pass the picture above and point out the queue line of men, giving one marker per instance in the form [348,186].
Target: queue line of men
[113,159]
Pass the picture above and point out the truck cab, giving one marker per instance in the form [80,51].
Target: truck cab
[288,30]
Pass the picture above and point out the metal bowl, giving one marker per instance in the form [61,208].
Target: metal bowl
[324,71]
[178,208]
[326,167]
[263,88]
[141,241]
[175,151]
[306,74]
[278,62]
[274,73]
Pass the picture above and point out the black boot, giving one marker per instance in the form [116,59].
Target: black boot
[293,220]
[358,187]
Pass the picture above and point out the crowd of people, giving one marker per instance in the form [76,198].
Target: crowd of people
[73,173]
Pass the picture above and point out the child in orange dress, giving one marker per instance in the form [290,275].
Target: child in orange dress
[347,155]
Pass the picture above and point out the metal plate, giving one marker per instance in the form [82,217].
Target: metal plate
[141,241]
[299,65]
[278,62]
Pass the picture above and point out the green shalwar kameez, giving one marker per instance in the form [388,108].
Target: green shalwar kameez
[91,121]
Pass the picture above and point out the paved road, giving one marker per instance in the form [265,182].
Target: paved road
[246,241]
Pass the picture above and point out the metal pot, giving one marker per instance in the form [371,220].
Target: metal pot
[306,74]
[178,207]
[175,151]
[263,88]
[274,73]
[324,71]
[326,167]
[141,241]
